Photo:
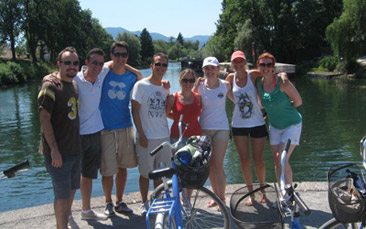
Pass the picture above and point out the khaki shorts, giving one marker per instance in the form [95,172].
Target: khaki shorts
[147,162]
[217,135]
[118,150]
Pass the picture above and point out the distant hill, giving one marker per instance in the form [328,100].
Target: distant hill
[157,36]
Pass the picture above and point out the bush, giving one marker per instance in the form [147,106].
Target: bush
[11,73]
[328,62]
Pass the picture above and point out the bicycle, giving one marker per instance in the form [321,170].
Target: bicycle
[288,200]
[347,194]
[166,200]
[14,170]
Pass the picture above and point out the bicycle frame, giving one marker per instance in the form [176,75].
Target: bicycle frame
[170,203]
[288,196]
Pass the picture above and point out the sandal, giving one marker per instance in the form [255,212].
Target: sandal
[211,204]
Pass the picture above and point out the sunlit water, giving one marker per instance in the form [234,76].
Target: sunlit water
[333,123]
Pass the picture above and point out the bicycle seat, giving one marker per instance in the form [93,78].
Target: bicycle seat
[157,174]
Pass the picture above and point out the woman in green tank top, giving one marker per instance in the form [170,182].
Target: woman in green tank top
[280,102]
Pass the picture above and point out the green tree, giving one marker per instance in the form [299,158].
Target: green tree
[10,22]
[160,46]
[180,39]
[214,47]
[347,34]
[147,47]
[134,47]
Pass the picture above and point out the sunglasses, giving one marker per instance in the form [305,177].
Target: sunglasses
[269,65]
[97,63]
[68,62]
[184,80]
[161,65]
[120,54]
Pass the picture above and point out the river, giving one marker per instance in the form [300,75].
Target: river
[333,123]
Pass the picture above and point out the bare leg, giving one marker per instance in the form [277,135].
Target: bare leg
[86,185]
[277,151]
[121,179]
[258,145]
[107,183]
[144,188]
[242,146]
[217,174]
[61,207]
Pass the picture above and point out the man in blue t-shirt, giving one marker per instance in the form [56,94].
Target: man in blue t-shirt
[117,138]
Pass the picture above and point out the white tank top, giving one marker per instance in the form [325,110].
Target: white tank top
[246,113]
[213,116]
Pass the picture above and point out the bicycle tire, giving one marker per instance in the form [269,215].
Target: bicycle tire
[335,224]
[162,221]
[200,216]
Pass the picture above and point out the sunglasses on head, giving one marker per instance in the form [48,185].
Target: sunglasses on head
[269,65]
[96,63]
[69,62]
[184,80]
[120,54]
[161,65]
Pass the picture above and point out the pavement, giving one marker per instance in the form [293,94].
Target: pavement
[314,195]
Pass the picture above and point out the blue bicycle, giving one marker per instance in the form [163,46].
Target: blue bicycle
[181,201]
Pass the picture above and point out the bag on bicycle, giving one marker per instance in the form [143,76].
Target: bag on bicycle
[193,162]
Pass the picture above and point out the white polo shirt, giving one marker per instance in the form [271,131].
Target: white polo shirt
[89,94]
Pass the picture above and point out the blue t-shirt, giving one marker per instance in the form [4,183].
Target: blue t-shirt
[114,103]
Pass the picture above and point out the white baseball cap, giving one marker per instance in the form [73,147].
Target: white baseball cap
[210,61]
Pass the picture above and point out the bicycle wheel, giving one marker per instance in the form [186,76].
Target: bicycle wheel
[335,224]
[162,221]
[196,214]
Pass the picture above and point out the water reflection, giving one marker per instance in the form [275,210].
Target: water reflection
[333,123]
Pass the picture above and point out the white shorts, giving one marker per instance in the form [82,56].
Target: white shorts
[146,162]
[276,136]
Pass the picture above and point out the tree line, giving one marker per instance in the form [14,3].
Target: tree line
[295,31]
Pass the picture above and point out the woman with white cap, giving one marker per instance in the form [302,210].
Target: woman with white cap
[214,122]
[247,122]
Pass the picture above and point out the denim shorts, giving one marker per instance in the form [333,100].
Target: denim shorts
[66,178]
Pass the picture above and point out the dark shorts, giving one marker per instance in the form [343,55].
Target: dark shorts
[66,178]
[254,132]
[91,155]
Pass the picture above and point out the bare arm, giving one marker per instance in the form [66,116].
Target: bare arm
[229,79]
[198,81]
[136,119]
[292,93]
[169,105]
[229,91]
[45,119]
[135,71]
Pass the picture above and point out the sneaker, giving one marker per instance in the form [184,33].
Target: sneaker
[123,208]
[72,224]
[92,215]
[109,210]
[144,208]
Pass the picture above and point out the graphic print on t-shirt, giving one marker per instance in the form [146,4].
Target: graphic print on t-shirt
[245,106]
[156,103]
[116,91]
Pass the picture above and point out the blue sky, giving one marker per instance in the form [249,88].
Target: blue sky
[168,17]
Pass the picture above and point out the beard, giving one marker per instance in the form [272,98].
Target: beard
[71,74]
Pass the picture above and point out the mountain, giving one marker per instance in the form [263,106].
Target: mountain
[156,36]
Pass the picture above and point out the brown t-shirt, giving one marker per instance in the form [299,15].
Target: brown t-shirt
[61,100]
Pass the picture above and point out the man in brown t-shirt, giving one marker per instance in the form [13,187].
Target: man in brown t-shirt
[58,102]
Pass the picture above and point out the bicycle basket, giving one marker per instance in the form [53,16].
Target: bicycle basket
[194,172]
[259,215]
[345,201]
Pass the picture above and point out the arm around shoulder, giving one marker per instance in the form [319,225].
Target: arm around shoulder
[134,71]
[292,93]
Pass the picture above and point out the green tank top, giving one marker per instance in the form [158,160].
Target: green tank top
[281,112]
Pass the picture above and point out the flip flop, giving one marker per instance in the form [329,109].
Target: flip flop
[211,204]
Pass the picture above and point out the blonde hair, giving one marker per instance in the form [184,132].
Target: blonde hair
[185,72]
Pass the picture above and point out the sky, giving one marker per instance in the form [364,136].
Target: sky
[167,17]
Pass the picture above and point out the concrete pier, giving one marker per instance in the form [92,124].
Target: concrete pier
[313,193]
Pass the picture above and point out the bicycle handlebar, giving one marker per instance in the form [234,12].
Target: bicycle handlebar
[10,172]
[291,191]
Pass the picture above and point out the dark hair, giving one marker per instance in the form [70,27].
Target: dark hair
[162,55]
[93,51]
[266,55]
[121,44]
[67,49]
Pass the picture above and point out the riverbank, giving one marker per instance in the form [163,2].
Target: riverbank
[313,193]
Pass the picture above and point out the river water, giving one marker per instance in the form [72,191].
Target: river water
[333,124]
